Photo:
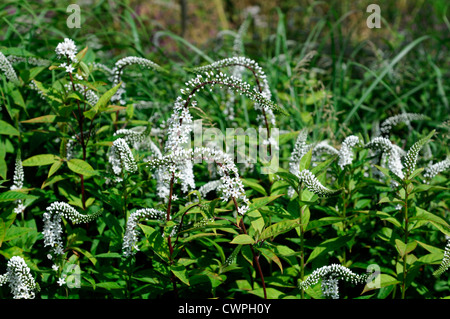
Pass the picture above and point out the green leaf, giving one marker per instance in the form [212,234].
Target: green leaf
[332,244]
[254,185]
[155,241]
[41,119]
[384,216]
[434,220]
[17,98]
[109,285]
[15,232]
[8,129]
[243,239]
[272,293]
[260,202]
[180,272]
[322,166]
[384,280]
[305,216]
[51,180]
[86,253]
[416,172]
[108,255]
[41,160]
[405,249]
[15,195]
[279,228]
[102,102]
[323,222]
[2,231]
[55,166]
[81,167]
[286,137]
[80,55]
[271,256]
[425,188]
[305,161]
[256,220]
[288,177]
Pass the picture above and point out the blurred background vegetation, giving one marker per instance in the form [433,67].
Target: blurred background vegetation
[135,24]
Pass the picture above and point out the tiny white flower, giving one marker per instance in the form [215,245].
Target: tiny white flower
[69,68]
[61,281]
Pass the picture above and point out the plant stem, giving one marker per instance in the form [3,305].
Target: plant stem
[169,239]
[125,195]
[406,243]
[302,247]
[82,142]
[255,255]
[302,260]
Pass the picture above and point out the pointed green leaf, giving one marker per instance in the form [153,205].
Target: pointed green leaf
[81,167]
[254,185]
[14,232]
[433,219]
[102,102]
[8,129]
[41,160]
[55,166]
[405,249]
[260,202]
[180,272]
[41,119]
[271,256]
[242,239]
[256,220]
[279,228]
[305,161]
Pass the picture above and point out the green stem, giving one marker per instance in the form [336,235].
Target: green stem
[406,243]
[128,279]
[302,260]
[255,255]
[302,244]
[125,195]
[344,216]
[169,239]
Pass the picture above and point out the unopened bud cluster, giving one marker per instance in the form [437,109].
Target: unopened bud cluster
[330,275]
[392,121]
[118,71]
[314,185]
